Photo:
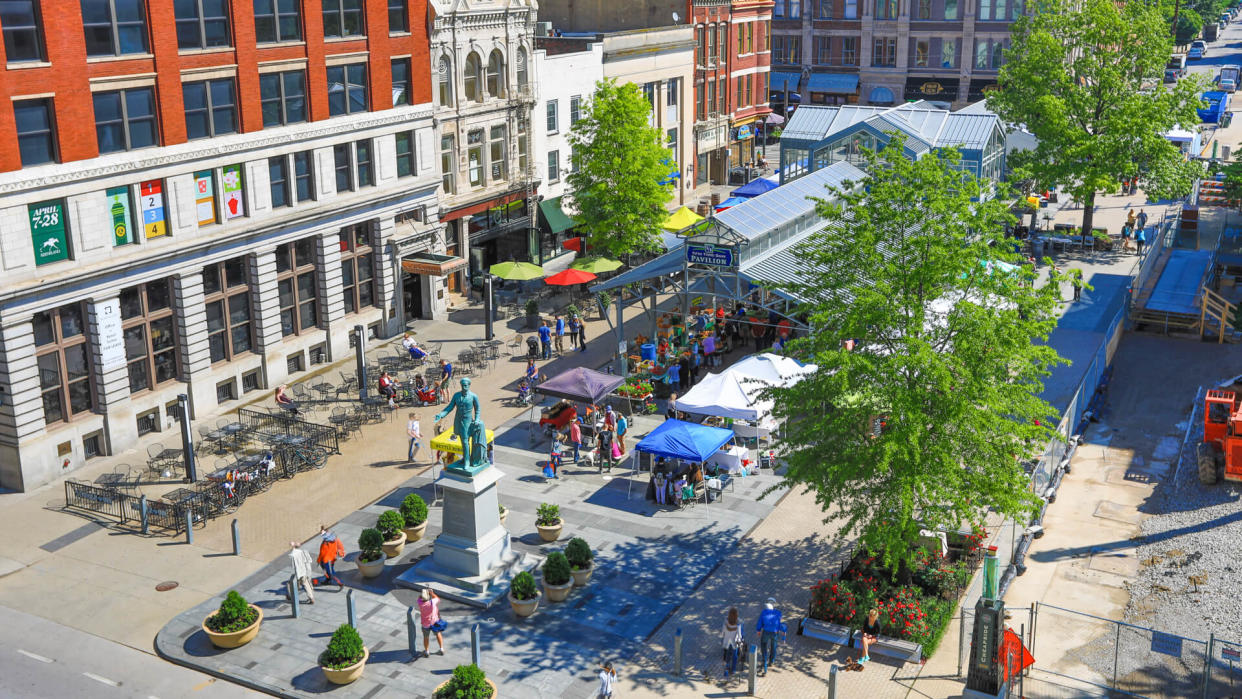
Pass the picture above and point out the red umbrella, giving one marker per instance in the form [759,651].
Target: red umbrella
[574,244]
[570,277]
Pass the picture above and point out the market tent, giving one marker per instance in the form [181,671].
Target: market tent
[675,439]
[730,203]
[681,219]
[772,369]
[580,384]
[755,187]
[727,394]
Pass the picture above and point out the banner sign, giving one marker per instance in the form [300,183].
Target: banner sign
[232,188]
[1167,644]
[111,338]
[709,255]
[204,198]
[47,231]
[151,204]
[122,211]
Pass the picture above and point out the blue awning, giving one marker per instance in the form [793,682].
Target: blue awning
[674,172]
[755,187]
[778,81]
[880,95]
[838,83]
[675,439]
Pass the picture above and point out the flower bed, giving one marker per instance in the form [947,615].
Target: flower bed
[916,602]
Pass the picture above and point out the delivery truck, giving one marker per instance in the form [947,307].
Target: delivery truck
[1217,105]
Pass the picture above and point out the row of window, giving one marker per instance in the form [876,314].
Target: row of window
[477,83]
[927,53]
[119,27]
[128,120]
[989,10]
[712,98]
[712,41]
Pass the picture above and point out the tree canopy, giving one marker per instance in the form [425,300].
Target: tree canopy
[621,160]
[1085,77]
[923,420]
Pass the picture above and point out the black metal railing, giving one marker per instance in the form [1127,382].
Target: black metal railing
[123,507]
[265,428]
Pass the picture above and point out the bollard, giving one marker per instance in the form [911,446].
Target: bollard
[677,653]
[753,652]
[142,514]
[349,609]
[832,682]
[474,646]
[411,631]
[236,539]
[293,596]
[961,639]
[189,526]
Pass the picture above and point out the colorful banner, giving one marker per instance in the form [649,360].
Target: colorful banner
[204,198]
[232,188]
[122,211]
[151,204]
[47,231]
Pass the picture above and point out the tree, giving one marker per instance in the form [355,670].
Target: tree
[1086,79]
[621,161]
[922,421]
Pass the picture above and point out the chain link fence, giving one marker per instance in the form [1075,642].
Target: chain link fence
[1224,674]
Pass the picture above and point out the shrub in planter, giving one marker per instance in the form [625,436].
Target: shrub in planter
[390,524]
[370,546]
[902,616]
[532,307]
[344,659]
[414,510]
[557,577]
[234,614]
[523,586]
[468,682]
[548,515]
[579,554]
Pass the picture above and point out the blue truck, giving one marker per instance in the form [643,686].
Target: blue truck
[1217,105]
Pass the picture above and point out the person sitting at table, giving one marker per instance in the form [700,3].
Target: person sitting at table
[284,401]
[388,388]
[696,474]
[661,488]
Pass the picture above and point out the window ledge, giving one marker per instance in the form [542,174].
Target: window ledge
[399,34]
[21,65]
[279,44]
[200,52]
[122,57]
[341,39]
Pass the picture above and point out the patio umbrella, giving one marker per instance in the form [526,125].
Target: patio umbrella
[516,271]
[570,277]
[596,264]
[774,119]
[680,219]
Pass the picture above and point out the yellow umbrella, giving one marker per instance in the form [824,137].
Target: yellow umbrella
[517,271]
[681,219]
[596,265]
[448,442]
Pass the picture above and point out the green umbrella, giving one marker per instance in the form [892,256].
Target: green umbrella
[596,265]
[517,271]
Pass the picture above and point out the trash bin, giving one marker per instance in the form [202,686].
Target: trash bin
[648,352]
[1037,248]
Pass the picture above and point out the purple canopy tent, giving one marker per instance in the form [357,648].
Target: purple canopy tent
[580,385]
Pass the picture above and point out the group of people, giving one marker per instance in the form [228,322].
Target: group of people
[610,428]
[424,390]
[767,627]
[553,336]
[1134,227]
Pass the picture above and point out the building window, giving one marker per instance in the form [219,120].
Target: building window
[447,166]
[304,175]
[474,157]
[444,82]
[400,82]
[573,163]
[948,53]
[64,362]
[210,108]
[711,45]
[496,74]
[672,145]
[849,51]
[788,49]
[825,9]
[554,166]
[722,95]
[886,9]
[398,17]
[150,335]
[523,155]
[920,53]
[711,97]
[344,169]
[795,9]
[989,54]
[226,391]
[114,27]
[405,153]
[498,153]
[523,73]
[575,107]
[985,9]
[23,40]
[347,89]
[296,286]
[671,88]
[885,52]
[950,9]
[125,119]
[92,445]
[364,154]
[851,9]
[278,176]
[552,127]
[277,20]
[357,267]
[283,97]
[205,198]
[472,77]
[227,298]
[924,9]
[699,52]
[342,18]
[251,381]
[201,24]
[823,55]
[36,139]
[699,112]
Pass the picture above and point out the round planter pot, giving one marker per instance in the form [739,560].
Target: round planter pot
[523,608]
[557,593]
[347,674]
[550,533]
[372,569]
[582,576]
[495,692]
[233,639]
[415,533]
[393,548]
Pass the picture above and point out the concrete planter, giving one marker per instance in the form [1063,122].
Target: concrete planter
[523,607]
[582,576]
[233,639]
[557,593]
[394,547]
[415,533]
[495,692]
[373,568]
[347,674]
[552,533]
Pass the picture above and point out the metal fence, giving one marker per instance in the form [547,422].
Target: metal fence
[1224,672]
[123,507]
[261,427]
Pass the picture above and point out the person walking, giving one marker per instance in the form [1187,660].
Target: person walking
[545,340]
[1141,220]
[581,335]
[557,451]
[623,426]
[560,334]
[870,633]
[731,641]
[671,412]
[607,677]
[1131,219]
[330,550]
[1140,237]
[301,571]
[416,435]
[575,437]
[604,452]
[429,611]
[766,627]
[573,331]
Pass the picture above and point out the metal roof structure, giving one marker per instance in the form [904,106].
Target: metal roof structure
[925,125]
[778,207]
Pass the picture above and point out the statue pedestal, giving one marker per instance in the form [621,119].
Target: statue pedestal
[471,559]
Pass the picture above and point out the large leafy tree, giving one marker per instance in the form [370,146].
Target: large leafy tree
[621,161]
[926,398]
[1085,77]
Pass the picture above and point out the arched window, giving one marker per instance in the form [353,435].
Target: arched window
[444,82]
[496,74]
[473,69]
[523,73]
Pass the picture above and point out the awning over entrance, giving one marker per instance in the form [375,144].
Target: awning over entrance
[835,83]
[554,218]
[428,263]
[779,81]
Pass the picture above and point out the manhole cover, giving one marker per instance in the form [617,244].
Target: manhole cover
[166,586]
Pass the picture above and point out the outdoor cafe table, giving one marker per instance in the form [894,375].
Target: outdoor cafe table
[730,459]
[289,439]
[180,495]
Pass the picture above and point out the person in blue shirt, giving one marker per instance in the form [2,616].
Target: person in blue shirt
[767,626]
[560,335]
[1140,237]
[545,340]
[446,371]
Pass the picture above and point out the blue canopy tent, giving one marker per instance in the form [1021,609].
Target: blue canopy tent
[755,187]
[677,439]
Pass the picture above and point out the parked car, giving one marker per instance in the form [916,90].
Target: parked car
[1228,84]
[1195,53]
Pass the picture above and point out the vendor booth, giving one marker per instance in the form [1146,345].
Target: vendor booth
[577,385]
[727,394]
[773,369]
[684,442]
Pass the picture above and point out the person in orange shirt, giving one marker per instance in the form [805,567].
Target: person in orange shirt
[330,551]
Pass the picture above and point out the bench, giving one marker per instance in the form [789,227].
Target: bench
[905,651]
[824,631]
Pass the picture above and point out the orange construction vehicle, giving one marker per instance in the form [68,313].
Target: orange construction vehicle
[1220,454]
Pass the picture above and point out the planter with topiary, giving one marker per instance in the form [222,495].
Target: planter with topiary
[548,521]
[557,577]
[345,657]
[532,313]
[523,595]
[234,624]
[414,511]
[371,555]
[581,560]
[468,682]
[390,525]
[504,512]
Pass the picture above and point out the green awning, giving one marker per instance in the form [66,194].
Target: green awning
[553,217]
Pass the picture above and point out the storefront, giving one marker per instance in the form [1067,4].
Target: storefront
[711,140]
[555,227]
[832,88]
[934,88]
[979,89]
[742,143]
[496,230]
[422,290]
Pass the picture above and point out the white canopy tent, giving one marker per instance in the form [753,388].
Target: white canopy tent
[727,394]
[772,369]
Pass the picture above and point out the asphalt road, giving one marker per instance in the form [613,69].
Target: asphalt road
[1226,50]
[42,659]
